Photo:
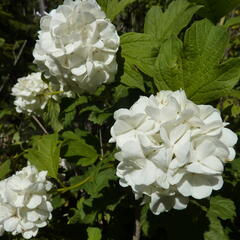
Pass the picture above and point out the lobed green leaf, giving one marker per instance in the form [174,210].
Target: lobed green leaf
[195,65]
[45,153]
[94,233]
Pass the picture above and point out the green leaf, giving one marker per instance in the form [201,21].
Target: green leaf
[99,118]
[141,50]
[162,25]
[216,231]
[216,9]
[5,169]
[195,64]
[5,112]
[53,114]
[76,146]
[152,21]
[132,77]
[45,153]
[121,91]
[94,233]
[57,201]
[235,165]
[2,42]
[232,21]
[113,7]
[143,219]
[77,102]
[169,72]
[103,4]
[100,179]
[221,207]
[71,110]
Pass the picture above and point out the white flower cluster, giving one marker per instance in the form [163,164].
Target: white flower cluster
[171,149]
[77,45]
[31,94]
[24,203]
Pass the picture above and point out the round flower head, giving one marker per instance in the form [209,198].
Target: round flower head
[77,46]
[171,149]
[24,203]
[31,94]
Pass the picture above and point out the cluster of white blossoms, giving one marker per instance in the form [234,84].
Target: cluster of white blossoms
[31,93]
[24,203]
[171,149]
[76,50]
[77,46]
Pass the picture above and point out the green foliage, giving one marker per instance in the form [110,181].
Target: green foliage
[5,169]
[141,49]
[76,146]
[195,63]
[215,9]
[99,179]
[219,208]
[52,115]
[162,25]
[113,7]
[71,110]
[216,231]
[45,154]
[132,77]
[143,220]
[146,48]
[94,233]
[232,21]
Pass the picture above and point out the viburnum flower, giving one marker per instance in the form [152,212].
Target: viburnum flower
[31,93]
[77,46]
[171,149]
[24,202]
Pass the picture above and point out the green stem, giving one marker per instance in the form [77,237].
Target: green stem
[61,183]
[65,189]
[53,93]
[199,205]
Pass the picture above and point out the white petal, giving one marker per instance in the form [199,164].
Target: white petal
[213,163]
[199,186]
[177,133]
[31,233]
[213,117]
[145,176]
[6,211]
[232,154]
[10,224]
[205,148]
[26,225]
[156,205]
[79,71]
[34,201]
[180,202]
[182,148]
[32,216]
[228,137]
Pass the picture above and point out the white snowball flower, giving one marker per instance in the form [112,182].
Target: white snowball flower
[31,94]
[171,149]
[24,202]
[77,45]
